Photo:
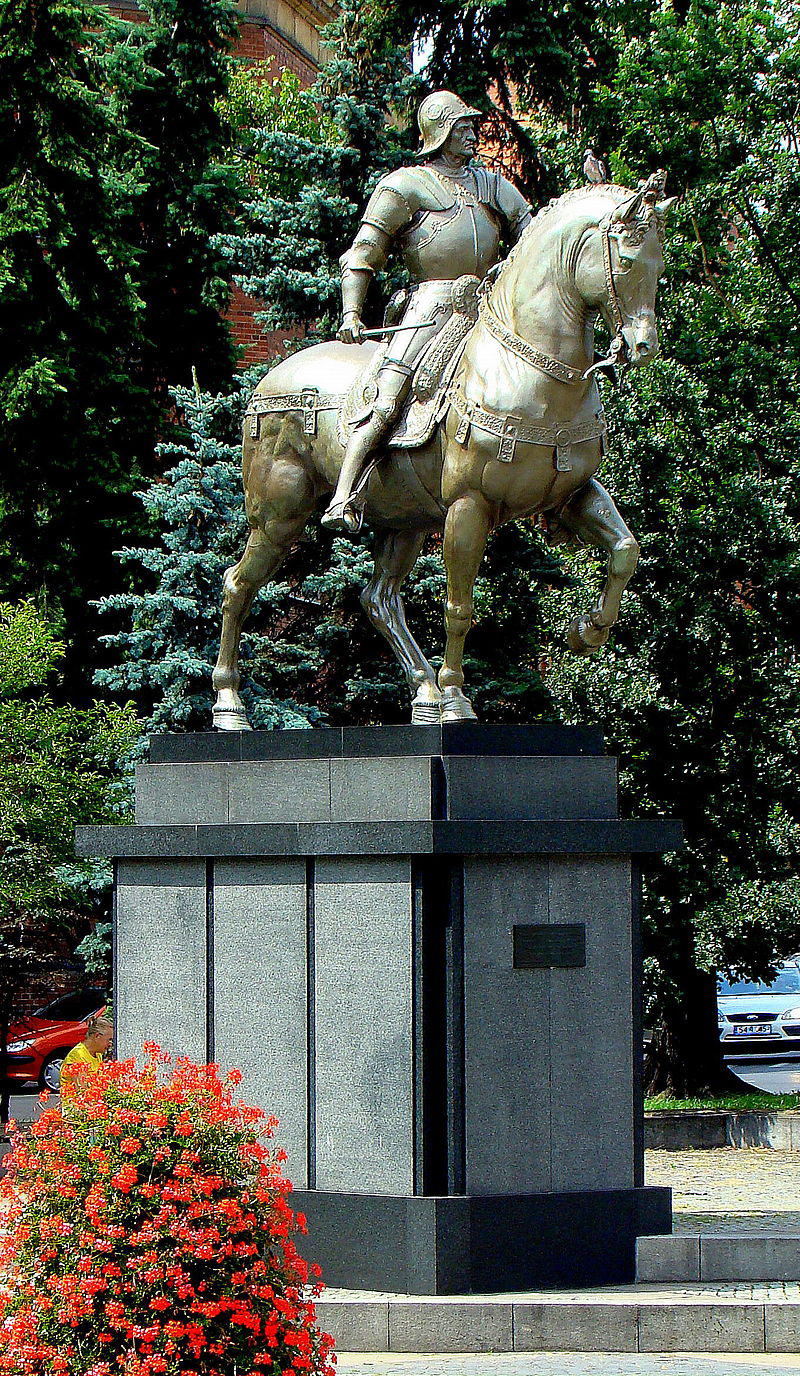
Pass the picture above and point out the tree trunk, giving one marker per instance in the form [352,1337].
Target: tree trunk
[684,1059]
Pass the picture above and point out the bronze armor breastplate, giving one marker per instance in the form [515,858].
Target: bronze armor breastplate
[449,243]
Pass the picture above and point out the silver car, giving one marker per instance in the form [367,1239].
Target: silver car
[760,1017]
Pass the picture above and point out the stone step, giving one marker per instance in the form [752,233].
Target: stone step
[637,1318]
[709,1258]
[707,1128]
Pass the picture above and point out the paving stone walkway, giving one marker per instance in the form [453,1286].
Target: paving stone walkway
[684,1292]
[569,1364]
[730,1189]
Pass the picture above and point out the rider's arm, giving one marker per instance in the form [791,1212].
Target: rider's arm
[388,212]
[366,256]
[515,209]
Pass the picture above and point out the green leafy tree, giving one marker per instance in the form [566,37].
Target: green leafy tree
[58,768]
[109,280]
[254,106]
[699,690]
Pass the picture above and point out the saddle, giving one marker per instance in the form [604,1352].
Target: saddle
[427,400]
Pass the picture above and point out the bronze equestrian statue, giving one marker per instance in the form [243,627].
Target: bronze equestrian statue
[500,420]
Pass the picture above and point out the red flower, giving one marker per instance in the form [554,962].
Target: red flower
[126,1177]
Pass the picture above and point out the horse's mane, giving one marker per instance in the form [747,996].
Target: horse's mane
[578,193]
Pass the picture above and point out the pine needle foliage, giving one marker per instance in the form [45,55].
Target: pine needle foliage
[110,282]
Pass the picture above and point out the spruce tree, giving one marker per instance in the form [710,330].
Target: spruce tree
[167,649]
[166,78]
[529,64]
[109,280]
[69,316]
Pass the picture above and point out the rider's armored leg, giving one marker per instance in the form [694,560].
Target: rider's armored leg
[393,382]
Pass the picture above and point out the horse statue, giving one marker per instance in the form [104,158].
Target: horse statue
[520,433]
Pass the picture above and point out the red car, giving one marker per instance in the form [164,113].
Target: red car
[38,1043]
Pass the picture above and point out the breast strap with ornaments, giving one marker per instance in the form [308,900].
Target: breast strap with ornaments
[553,367]
[512,432]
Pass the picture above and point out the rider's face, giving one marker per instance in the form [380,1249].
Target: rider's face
[462,140]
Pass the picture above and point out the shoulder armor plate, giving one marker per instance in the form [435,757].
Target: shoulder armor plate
[421,189]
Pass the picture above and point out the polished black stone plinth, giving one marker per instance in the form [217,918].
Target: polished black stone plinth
[480,1244]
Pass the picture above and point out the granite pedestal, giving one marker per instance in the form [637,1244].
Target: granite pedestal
[420,945]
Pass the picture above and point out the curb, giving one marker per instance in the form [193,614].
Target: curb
[693,1129]
[705,1258]
[634,1319]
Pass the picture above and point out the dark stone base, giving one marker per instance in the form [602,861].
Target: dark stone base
[328,742]
[479,1244]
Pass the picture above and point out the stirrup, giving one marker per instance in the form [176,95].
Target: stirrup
[343,516]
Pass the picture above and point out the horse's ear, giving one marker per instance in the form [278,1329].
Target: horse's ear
[664,207]
[628,210]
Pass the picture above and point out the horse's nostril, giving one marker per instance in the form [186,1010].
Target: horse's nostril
[644,347]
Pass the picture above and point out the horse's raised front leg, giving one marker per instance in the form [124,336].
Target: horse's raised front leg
[592,515]
[292,501]
[466,531]
[396,553]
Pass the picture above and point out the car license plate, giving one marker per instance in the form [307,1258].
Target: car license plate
[755,1029]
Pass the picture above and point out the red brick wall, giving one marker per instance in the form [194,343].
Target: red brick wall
[260,43]
[258,346]
[44,989]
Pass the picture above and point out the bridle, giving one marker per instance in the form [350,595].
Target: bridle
[617,356]
[611,286]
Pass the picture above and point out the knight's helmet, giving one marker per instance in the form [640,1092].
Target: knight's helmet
[436,116]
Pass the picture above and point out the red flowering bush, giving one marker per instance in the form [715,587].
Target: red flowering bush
[145,1231]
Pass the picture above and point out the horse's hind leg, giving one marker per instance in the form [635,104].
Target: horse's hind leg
[289,501]
[592,515]
[395,555]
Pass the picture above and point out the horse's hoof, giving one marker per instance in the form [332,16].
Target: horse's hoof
[424,712]
[585,638]
[456,707]
[228,719]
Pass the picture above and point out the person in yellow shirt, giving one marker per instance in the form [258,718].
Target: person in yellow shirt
[91,1051]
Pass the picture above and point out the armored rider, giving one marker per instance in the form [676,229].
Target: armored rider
[446,217]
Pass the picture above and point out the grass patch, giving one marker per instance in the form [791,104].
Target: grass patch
[738,1103]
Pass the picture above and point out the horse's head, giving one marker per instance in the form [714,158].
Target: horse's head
[618,265]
